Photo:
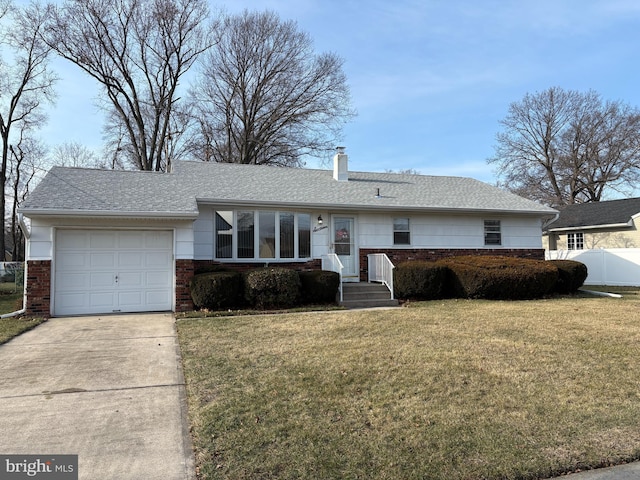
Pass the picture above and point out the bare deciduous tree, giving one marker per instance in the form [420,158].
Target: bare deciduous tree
[26,83]
[27,155]
[138,50]
[562,147]
[73,154]
[265,97]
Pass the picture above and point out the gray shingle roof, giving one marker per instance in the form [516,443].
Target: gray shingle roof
[612,212]
[109,192]
[214,182]
[126,193]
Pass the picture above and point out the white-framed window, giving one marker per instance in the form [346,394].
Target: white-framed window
[492,232]
[262,235]
[401,231]
[575,241]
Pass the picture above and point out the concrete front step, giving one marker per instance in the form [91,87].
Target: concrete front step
[366,295]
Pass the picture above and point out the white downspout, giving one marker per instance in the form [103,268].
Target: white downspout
[27,235]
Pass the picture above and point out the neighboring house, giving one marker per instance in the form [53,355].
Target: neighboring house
[585,226]
[104,241]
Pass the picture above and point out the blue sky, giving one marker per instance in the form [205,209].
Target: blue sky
[430,79]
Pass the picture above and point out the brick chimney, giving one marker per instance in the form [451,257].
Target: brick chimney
[340,165]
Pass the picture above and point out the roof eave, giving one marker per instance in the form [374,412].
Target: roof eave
[47,212]
[607,226]
[369,207]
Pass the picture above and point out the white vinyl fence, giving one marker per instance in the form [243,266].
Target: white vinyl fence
[612,266]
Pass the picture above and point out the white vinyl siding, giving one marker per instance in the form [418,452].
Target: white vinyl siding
[448,231]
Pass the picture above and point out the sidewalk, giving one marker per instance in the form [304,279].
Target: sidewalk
[629,471]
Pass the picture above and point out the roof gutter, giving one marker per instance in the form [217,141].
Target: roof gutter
[592,227]
[343,207]
[23,226]
[108,214]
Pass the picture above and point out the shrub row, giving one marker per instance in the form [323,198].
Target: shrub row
[487,277]
[263,288]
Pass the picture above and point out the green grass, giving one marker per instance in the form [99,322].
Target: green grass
[12,327]
[11,302]
[445,390]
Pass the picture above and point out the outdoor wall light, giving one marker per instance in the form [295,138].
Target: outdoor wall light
[319,219]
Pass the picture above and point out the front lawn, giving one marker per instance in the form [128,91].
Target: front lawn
[12,327]
[11,301]
[445,390]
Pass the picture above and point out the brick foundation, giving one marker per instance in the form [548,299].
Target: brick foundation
[244,267]
[184,273]
[398,256]
[38,288]
[38,281]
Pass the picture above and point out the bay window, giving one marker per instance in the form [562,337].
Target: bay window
[267,235]
[262,234]
[246,229]
[304,235]
[224,234]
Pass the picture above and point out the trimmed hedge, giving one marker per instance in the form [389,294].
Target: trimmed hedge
[212,268]
[319,286]
[272,287]
[500,278]
[571,275]
[420,280]
[217,290]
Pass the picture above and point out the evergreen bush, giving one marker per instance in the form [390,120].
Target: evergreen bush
[420,280]
[272,287]
[495,277]
[571,275]
[319,286]
[217,290]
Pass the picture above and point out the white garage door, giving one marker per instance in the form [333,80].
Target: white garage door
[100,271]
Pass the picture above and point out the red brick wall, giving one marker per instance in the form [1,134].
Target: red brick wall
[244,267]
[184,272]
[403,255]
[38,288]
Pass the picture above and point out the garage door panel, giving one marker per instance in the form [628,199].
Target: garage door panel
[131,279]
[69,300]
[158,279]
[72,281]
[72,260]
[131,260]
[157,297]
[131,240]
[130,299]
[102,280]
[156,259]
[102,260]
[72,240]
[102,300]
[113,271]
[162,240]
[100,240]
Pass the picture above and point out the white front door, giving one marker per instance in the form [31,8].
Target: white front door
[106,271]
[344,245]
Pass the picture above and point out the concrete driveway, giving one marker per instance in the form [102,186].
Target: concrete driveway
[107,388]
